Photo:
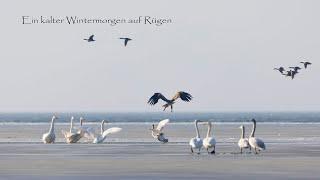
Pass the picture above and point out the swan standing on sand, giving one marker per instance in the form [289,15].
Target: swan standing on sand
[209,141]
[103,134]
[83,129]
[50,137]
[157,133]
[196,142]
[72,136]
[254,142]
[243,142]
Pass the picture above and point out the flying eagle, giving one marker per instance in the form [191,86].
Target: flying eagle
[182,95]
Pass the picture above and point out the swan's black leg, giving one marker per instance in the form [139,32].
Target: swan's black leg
[191,150]
[214,150]
[171,108]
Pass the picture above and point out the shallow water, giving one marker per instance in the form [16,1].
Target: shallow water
[284,117]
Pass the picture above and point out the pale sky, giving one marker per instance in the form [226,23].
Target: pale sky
[221,52]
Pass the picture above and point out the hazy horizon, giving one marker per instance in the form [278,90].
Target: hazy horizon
[221,52]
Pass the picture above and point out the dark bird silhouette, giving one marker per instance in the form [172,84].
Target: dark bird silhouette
[288,73]
[291,74]
[126,40]
[305,64]
[295,68]
[280,69]
[182,95]
[90,39]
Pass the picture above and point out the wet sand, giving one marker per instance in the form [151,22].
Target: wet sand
[293,152]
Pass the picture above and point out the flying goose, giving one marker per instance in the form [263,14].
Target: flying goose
[90,39]
[295,68]
[305,64]
[126,40]
[280,69]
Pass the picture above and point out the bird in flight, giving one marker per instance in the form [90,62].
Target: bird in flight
[291,74]
[182,95]
[295,68]
[306,63]
[280,69]
[90,39]
[126,40]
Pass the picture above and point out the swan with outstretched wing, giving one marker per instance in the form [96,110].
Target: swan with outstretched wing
[157,132]
[99,138]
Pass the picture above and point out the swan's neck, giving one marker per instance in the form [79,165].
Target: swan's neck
[52,126]
[71,125]
[253,129]
[209,130]
[102,128]
[197,130]
[242,132]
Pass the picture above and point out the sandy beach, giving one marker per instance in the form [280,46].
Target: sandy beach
[293,152]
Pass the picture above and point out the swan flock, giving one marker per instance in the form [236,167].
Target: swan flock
[74,135]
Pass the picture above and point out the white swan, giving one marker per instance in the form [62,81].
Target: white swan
[196,142]
[103,134]
[50,136]
[254,142]
[243,142]
[72,136]
[157,133]
[209,142]
[85,131]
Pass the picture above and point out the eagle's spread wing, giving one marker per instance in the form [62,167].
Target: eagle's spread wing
[155,98]
[162,124]
[91,37]
[182,95]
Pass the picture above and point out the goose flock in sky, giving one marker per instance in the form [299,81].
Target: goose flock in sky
[293,70]
[125,39]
